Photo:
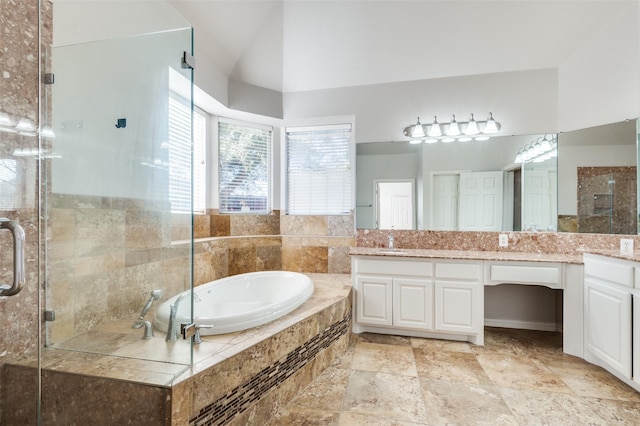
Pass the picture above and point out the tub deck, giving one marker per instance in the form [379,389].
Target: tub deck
[114,355]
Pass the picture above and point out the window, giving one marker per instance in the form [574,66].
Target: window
[180,159]
[244,167]
[9,184]
[319,170]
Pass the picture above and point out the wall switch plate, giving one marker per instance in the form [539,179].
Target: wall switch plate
[626,246]
[503,240]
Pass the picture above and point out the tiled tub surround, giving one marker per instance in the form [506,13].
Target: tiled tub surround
[240,378]
[107,254]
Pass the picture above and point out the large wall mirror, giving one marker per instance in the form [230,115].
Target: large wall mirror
[588,185]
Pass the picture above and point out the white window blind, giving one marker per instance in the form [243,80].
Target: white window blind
[319,170]
[181,161]
[244,167]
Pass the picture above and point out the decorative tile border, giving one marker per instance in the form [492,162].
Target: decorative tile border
[244,396]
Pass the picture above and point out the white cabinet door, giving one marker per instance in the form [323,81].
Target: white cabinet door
[458,307]
[413,303]
[608,324]
[374,300]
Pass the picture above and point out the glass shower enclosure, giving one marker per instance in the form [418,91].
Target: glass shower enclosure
[115,196]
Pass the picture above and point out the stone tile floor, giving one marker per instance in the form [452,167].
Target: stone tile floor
[519,377]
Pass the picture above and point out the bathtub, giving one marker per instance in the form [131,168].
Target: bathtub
[238,302]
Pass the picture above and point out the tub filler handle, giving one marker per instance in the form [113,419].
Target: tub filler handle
[197,339]
[18,258]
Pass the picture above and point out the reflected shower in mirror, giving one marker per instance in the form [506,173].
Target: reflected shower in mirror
[597,179]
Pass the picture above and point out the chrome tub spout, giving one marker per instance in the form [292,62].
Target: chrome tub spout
[172,329]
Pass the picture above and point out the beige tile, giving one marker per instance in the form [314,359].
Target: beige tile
[391,396]
[532,407]
[456,367]
[384,358]
[356,419]
[450,403]
[590,380]
[293,415]
[521,373]
[616,412]
[326,393]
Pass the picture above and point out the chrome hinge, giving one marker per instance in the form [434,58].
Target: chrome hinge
[188,61]
[187,330]
[49,315]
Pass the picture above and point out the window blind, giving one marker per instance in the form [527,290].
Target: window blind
[244,167]
[319,170]
[180,157]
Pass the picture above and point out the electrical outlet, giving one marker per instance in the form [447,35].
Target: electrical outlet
[626,246]
[503,240]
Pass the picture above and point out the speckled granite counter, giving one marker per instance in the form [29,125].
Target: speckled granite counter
[468,255]
[635,256]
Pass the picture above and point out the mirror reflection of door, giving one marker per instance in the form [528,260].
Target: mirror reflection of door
[395,204]
[444,205]
[481,198]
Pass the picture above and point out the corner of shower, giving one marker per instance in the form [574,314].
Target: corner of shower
[114,168]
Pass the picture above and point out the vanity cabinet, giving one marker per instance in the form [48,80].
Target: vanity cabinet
[609,315]
[418,297]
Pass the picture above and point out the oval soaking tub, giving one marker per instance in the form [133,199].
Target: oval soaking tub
[238,302]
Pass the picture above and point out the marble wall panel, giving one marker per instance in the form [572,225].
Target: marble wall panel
[19,98]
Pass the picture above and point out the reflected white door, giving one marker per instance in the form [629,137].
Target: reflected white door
[445,202]
[395,205]
[481,201]
[537,203]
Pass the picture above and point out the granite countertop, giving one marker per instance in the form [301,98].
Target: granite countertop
[635,256]
[469,255]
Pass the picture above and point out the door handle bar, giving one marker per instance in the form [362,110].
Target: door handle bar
[18,258]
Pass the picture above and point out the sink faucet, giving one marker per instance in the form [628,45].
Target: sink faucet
[172,329]
[390,241]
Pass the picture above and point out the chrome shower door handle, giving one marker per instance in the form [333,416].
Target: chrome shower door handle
[18,258]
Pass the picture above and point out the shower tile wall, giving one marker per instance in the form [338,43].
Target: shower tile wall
[605,207]
[105,257]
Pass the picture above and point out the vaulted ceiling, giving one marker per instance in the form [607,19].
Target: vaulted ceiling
[301,45]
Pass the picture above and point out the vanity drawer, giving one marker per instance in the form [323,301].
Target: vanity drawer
[545,274]
[419,268]
[459,271]
[612,270]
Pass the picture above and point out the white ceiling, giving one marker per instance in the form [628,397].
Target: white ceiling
[301,45]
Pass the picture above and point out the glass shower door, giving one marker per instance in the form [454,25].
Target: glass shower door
[117,247]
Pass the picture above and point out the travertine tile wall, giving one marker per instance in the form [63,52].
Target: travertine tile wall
[107,254]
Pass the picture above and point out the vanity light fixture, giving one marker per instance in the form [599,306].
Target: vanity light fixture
[462,131]
[417,131]
[539,150]
[435,130]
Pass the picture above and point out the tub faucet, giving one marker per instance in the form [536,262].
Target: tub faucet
[155,295]
[148,330]
[172,328]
